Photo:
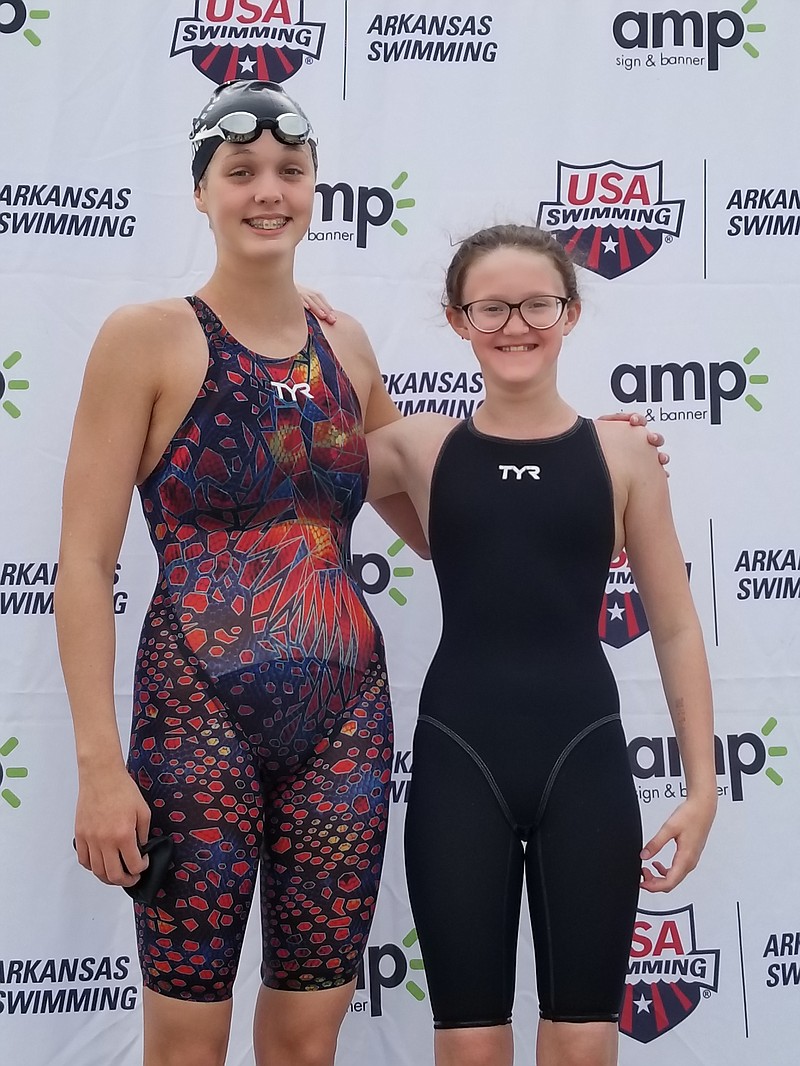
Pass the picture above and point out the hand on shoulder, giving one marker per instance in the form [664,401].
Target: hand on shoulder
[630,447]
[634,420]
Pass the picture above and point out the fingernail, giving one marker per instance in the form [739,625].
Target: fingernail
[645,854]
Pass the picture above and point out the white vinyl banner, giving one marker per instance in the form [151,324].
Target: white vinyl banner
[660,144]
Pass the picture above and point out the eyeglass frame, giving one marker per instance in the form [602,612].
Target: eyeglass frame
[565,301]
[260,124]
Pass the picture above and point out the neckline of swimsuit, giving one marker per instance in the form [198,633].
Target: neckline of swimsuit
[576,425]
[304,353]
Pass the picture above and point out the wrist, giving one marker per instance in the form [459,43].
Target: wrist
[99,756]
[706,792]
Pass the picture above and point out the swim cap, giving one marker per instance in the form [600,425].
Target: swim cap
[253,107]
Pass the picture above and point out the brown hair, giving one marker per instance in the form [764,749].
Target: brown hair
[488,240]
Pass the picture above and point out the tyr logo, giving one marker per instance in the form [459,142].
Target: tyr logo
[288,392]
[520,471]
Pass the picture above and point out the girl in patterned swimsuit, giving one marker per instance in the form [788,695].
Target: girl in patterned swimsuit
[261,728]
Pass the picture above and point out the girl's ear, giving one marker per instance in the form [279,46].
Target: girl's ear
[572,316]
[199,199]
[458,321]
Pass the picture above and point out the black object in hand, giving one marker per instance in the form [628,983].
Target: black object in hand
[159,851]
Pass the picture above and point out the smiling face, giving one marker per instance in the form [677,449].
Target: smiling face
[259,197]
[518,353]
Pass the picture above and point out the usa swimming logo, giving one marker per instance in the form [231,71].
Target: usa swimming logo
[613,215]
[668,974]
[266,41]
[622,617]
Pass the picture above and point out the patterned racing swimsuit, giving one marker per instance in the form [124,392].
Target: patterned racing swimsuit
[261,726]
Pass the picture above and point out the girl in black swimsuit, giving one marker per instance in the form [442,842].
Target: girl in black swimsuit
[520,763]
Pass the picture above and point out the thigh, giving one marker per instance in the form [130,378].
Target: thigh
[324,840]
[464,871]
[198,776]
[582,871]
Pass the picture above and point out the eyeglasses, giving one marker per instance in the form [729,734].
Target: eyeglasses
[540,312]
[242,127]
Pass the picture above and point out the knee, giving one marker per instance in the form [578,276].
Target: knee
[182,1033]
[308,1049]
[187,1052]
[479,1046]
[577,1044]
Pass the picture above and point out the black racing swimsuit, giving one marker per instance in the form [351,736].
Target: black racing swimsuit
[520,760]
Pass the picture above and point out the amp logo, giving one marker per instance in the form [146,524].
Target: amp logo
[16,17]
[703,33]
[689,384]
[11,384]
[10,774]
[374,573]
[368,207]
[268,40]
[738,755]
[387,967]
[613,214]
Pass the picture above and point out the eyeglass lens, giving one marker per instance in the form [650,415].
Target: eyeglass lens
[539,312]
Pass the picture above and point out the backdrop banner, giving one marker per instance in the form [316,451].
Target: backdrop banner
[660,144]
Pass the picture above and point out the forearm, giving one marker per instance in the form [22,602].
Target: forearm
[86,640]
[687,687]
[399,512]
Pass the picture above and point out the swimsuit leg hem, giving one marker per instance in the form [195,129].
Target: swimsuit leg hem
[177,994]
[555,1016]
[483,1024]
[338,982]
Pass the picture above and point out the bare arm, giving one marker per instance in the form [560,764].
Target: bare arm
[110,429]
[393,505]
[386,467]
[395,508]
[657,563]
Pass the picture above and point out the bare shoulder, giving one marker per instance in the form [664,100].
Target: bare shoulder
[624,441]
[347,335]
[146,327]
[630,458]
[157,314]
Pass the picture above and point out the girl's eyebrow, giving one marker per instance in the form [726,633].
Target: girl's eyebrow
[245,149]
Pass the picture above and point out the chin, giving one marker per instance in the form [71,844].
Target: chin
[265,247]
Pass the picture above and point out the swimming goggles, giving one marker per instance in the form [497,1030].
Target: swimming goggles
[242,127]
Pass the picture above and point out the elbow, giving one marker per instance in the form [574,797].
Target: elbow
[420,546]
[424,551]
[678,631]
[79,573]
